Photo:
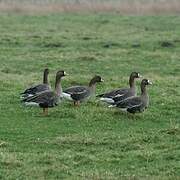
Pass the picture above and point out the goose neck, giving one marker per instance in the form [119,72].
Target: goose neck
[58,88]
[144,96]
[92,88]
[132,82]
[92,83]
[45,78]
[143,90]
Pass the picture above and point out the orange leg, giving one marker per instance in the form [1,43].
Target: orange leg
[45,111]
[76,103]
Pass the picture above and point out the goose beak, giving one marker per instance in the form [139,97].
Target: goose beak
[139,75]
[149,82]
[66,74]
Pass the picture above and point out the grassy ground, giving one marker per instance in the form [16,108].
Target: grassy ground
[92,141]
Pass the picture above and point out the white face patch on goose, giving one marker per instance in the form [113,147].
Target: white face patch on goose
[149,82]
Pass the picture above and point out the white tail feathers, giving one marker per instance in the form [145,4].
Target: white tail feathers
[122,109]
[67,96]
[31,104]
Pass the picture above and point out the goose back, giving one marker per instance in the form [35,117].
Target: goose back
[46,99]
[122,93]
[37,88]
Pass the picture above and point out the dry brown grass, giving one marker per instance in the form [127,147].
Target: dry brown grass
[138,7]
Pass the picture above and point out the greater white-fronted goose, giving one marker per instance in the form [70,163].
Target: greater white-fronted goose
[79,94]
[37,88]
[122,93]
[137,103]
[47,99]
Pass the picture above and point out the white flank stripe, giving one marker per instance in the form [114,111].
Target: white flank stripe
[119,95]
[26,96]
[107,100]
[30,95]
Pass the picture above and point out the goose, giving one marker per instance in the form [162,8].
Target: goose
[47,99]
[79,94]
[37,88]
[122,93]
[137,103]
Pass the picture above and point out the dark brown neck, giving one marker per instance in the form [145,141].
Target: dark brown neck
[131,82]
[45,78]
[92,83]
[143,89]
[92,88]
[58,88]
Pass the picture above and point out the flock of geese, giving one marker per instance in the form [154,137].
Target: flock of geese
[125,99]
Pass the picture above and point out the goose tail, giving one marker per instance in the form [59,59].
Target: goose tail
[31,104]
[100,95]
[67,96]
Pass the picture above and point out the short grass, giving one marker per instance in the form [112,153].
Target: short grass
[92,141]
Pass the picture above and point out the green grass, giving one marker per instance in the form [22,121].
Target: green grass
[92,141]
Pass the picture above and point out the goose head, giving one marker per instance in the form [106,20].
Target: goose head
[135,75]
[95,79]
[46,71]
[146,82]
[60,74]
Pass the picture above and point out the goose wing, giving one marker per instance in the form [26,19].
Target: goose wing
[80,95]
[36,89]
[129,103]
[114,93]
[44,99]
[75,89]
[78,92]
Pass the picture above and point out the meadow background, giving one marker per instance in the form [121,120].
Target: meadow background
[152,7]
[86,38]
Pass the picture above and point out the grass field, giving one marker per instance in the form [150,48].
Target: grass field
[92,141]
